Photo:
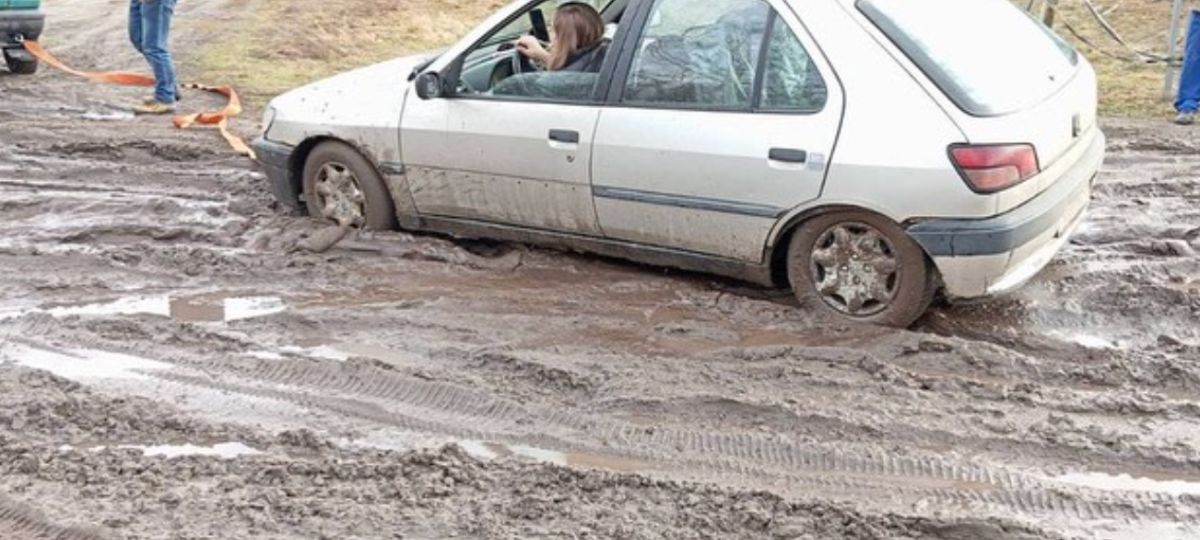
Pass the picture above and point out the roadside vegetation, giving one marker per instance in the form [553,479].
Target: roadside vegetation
[283,44]
[1127,88]
[286,43]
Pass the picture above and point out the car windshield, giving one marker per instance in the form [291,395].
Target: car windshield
[989,56]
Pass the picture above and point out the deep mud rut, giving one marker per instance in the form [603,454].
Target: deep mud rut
[170,368]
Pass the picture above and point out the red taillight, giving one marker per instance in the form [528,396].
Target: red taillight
[992,168]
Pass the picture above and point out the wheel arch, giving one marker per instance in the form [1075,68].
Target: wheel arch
[777,248]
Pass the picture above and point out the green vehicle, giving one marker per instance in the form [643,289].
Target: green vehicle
[20,20]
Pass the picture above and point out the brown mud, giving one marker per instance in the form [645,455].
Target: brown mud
[172,367]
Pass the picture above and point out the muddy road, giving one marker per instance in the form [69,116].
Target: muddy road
[171,368]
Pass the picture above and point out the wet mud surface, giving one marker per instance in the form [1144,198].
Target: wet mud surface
[170,367]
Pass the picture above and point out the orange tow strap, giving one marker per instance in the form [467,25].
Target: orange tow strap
[220,119]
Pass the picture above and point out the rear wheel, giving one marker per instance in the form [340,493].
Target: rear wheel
[341,186]
[862,267]
[21,67]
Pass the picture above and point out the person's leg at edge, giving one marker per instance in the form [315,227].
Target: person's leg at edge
[156,32]
[1189,78]
[135,25]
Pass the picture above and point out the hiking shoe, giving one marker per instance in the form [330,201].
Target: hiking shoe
[178,97]
[154,107]
[1186,118]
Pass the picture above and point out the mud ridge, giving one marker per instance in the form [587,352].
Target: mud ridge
[441,408]
[18,522]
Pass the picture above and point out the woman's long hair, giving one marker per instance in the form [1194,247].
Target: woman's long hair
[577,27]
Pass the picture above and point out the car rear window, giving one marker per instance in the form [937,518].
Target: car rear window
[988,56]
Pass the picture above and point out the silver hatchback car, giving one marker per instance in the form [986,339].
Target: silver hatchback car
[868,153]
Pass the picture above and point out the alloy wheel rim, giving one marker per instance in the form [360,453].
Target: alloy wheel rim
[855,269]
[339,196]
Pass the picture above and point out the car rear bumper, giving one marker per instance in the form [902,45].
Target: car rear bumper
[23,23]
[995,255]
[276,161]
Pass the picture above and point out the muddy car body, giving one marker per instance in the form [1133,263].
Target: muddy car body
[858,150]
[20,20]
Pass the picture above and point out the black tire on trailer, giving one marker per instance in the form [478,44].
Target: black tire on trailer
[860,266]
[340,183]
[21,67]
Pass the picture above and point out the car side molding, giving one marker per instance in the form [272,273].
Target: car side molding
[692,203]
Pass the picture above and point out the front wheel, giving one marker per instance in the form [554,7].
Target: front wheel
[862,267]
[341,186]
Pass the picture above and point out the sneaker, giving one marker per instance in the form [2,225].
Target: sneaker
[1186,118]
[154,107]
[151,100]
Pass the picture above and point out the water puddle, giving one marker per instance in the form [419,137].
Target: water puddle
[225,309]
[323,352]
[405,441]
[381,353]
[1088,341]
[231,450]
[491,451]
[12,312]
[108,115]
[79,364]
[1126,482]
[202,308]
[341,352]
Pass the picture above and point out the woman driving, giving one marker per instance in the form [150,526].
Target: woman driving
[577,42]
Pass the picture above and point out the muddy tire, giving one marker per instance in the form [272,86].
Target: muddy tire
[339,183]
[860,266]
[21,67]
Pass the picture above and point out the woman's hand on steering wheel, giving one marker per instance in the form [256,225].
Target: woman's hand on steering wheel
[531,48]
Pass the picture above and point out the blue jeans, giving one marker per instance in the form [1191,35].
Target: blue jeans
[1189,80]
[150,30]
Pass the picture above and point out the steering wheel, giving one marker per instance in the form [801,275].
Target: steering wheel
[522,64]
[538,29]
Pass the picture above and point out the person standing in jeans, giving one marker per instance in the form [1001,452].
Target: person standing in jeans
[150,32]
[1189,80]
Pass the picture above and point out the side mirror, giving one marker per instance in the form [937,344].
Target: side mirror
[429,85]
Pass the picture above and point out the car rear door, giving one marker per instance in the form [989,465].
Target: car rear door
[722,118]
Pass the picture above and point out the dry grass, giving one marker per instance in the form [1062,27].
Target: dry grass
[1127,88]
[282,44]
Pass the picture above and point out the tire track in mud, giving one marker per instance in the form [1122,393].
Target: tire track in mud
[19,523]
[438,408]
[35,187]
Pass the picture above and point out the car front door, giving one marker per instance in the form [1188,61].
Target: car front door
[510,145]
[721,122]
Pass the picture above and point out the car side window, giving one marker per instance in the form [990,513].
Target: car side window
[791,80]
[494,68]
[698,54]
